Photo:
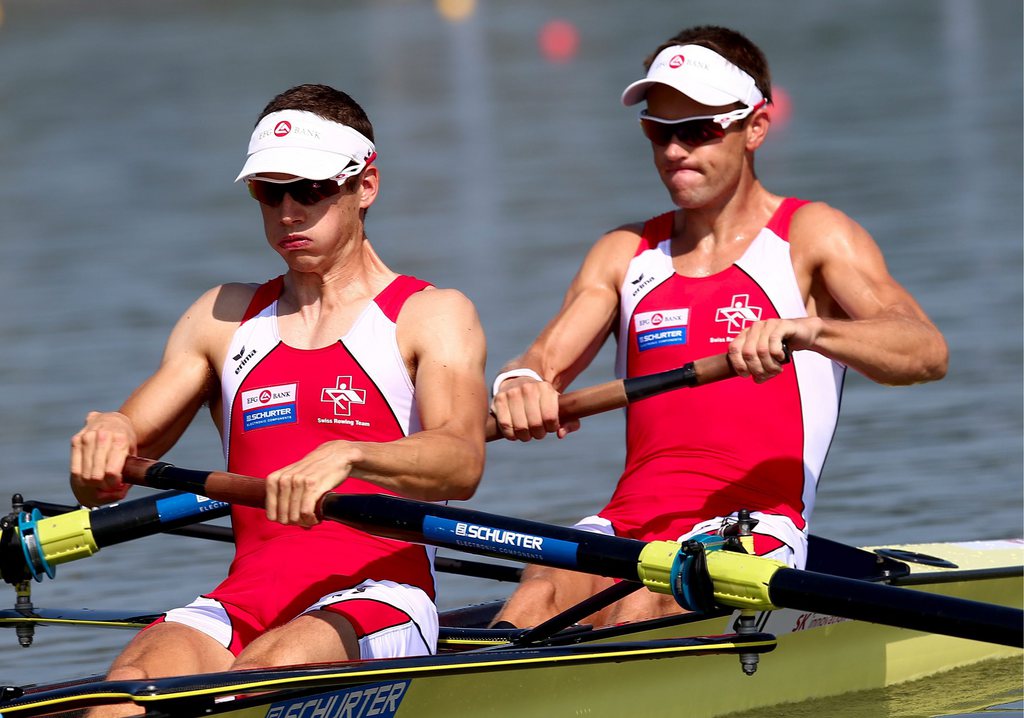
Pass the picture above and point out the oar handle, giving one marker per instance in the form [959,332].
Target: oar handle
[619,393]
[219,485]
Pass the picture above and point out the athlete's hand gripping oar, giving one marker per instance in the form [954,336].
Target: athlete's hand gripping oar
[695,577]
[620,392]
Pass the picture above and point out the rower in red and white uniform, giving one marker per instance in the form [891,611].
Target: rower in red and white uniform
[279,404]
[692,475]
[339,375]
[733,268]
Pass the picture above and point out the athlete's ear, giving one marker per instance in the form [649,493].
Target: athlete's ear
[757,128]
[369,185]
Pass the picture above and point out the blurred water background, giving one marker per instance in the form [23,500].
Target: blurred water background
[504,154]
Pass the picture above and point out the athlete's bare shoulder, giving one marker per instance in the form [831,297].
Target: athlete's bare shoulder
[625,237]
[606,262]
[208,323]
[436,304]
[228,302]
[441,326]
[819,231]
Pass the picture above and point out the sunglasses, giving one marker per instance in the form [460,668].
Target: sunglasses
[306,192]
[692,131]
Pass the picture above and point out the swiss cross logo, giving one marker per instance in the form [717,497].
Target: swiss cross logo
[343,396]
[283,128]
[739,314]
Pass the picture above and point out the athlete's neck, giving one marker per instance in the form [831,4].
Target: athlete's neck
[707,239]
[315,309]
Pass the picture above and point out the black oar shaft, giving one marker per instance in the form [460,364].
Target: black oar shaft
[151,515]
[504,537]
[415,521]
[486,534]
[879,603]
[33,543]
[465,530]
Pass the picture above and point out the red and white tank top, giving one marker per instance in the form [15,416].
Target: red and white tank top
[280,403]
[693,454]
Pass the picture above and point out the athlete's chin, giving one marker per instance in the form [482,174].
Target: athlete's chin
[688,197]
[684,190]
[300,261]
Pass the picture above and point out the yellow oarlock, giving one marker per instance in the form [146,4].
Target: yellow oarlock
[66,537]
[655,569]
[739,580]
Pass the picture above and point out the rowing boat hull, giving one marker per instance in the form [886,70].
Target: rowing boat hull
[816,656]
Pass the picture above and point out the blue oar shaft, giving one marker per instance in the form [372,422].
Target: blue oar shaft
[151,515]
[486,534]
[34,544]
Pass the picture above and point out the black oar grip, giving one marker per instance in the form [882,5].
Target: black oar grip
[695,373]
[219,485]
[641,387]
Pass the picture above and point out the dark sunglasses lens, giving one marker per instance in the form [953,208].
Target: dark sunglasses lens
[699,132]
[305,192]
[657,132]
[692,133]
[266,193]
[309,192]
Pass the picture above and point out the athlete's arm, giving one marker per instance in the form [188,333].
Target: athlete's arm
[527,409]
[156,414]
[861,316]
[440,330]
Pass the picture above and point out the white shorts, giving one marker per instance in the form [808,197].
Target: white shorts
[794,557]
[391,620]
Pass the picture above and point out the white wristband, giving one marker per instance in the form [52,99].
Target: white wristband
[511,374]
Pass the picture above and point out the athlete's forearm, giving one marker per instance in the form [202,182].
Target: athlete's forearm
[895,348]
[432,465]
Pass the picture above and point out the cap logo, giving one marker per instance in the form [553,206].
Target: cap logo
[676,61]
[304,144]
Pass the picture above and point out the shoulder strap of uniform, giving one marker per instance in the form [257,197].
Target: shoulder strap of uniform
[655,231]
[779,223]
[265,294]
[393,296]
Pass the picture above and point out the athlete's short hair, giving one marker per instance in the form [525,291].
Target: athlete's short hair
[733,46]
[323,100]
[329,103]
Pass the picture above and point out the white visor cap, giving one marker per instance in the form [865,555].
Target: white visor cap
[306,145]
[700,74]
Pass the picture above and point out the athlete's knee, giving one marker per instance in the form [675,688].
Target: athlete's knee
[128,672]
[641,606]
[115,710]
[541,589]
[539,596]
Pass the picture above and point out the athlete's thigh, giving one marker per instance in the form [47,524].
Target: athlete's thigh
[311,638]
[544,592]
[170,649]
[640,605]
